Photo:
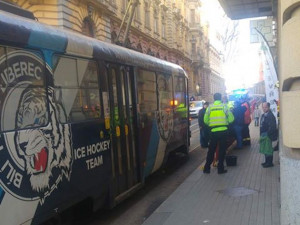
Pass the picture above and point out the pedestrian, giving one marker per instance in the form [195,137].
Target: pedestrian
[247,121]
[217,117]
[238,125]
[225,100]
[256,114]
[268,135]
[204,130]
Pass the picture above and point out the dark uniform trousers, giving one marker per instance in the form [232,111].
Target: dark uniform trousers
[221,138]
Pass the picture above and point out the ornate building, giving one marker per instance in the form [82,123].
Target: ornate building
[258,89]
[217,82]
[166,29]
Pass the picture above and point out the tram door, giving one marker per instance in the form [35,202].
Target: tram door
[123,128]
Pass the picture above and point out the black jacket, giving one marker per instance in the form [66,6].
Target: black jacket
[268,125]
[238,113]
[201,117]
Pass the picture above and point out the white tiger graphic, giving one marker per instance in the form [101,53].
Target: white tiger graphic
[47,146]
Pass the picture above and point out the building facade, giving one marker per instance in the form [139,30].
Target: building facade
[217,81]
[287,30]
[289,47]
[166,29]
[258,89]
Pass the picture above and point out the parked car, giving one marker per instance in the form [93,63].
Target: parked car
[195,107]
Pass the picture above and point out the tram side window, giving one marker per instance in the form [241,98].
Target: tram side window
[77,88]
[147,91]
[165,96]
[22,85]
[104,89]
[180,91]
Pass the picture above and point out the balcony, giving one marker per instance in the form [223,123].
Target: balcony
[177,12]
[195,27]
[197,60]
[107,5]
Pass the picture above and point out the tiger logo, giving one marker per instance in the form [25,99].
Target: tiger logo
[46,144]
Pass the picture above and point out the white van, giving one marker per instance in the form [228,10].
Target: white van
[195,107]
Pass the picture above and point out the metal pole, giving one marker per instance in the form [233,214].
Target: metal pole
[123,21]
[130,20]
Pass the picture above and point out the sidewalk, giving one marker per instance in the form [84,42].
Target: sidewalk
[246,195]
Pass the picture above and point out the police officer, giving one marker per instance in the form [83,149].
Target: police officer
[217,117]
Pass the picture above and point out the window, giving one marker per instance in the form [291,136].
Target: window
[180,91]
[163,27]
[155,24]
[116,112]
[77,89]
[147,15]
[139,47]
[104,89]
[23,93]
[192,16]
[113,37]
[124,5]
[196,104]
[155,21]
[137,13]
[194,49]
[165,96]
[88,28]
[147,97]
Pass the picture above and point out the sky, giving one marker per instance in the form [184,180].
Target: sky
[243,70]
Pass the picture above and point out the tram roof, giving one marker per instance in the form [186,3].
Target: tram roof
[25,32]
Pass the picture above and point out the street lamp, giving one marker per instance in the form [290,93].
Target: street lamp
[198,89]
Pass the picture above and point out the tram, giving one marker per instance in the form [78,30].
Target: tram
[80,119]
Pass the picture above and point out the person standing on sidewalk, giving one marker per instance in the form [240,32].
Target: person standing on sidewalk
[204,130]
[217,117]
[247,121]
[268,135]
[256,114]
[238,125]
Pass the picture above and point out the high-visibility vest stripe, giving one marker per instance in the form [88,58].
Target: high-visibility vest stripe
[217,116]
[217,123]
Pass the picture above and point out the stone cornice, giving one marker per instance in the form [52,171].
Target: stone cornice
[104,6]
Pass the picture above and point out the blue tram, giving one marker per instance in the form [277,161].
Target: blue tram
[80,119]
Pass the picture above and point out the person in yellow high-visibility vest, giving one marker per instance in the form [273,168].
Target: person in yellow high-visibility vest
[217,117]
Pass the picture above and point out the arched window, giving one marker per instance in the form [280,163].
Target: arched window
[88,27]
